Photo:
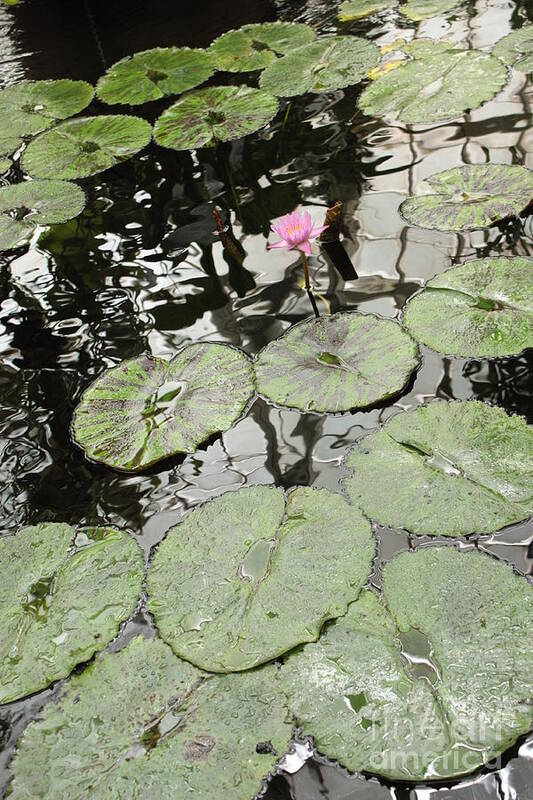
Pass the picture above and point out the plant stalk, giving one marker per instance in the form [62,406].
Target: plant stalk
[308,284]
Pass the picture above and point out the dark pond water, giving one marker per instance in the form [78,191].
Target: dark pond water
[141,270]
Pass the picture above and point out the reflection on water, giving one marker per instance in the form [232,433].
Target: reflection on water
[142,270]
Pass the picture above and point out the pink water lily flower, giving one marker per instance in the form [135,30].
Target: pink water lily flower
[296,231]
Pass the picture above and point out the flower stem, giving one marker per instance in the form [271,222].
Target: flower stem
[308,284]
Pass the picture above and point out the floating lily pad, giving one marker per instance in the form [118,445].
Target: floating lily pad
[147,409]
[250,575]
[30,107]
[8,144]
[153,74]
[322,66]
[465,198]
[446,469]
[516,49]
[430,684]
[142,723]
[5,164]
[218,114]
[358,9]
[85,146]
[482,308]
[336,363]
[440,85]
[256,46]
[418,10]
[63,595]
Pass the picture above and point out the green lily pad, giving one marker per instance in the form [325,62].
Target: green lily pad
[30,107]
[322,66]
[5,164]
[336,363]
[143,724]
[147,409]
[217,114]
[153,74]
[256,46]
[85,146]
[358,9]
[465,198]
[446,469]
[250,575]
[8,144]
[516,49]
[429,684]
[63,594]
[438,86]
[482,308]
[418,10]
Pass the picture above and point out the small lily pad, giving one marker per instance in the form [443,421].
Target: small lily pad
[482,308]
[474,196]
[332,62]
[217,114]
[516,49]
[358,9]
[85,146]
[440,85]
[153,74]
[429,684]
[336,363]
[446,469]
[63,595]
[30,107]
[250,575]
[255,46]
[418,10]
[147,409]
[142,723]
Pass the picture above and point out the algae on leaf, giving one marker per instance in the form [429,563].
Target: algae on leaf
[358,9]
[251,574]
[446,469]
[63,594]
[418,10]
[516,49]
[255,46]
[30,107]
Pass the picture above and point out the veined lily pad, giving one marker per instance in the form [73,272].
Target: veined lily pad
[8,144]
[465,198]
[329,63]
[482,308]
[143,724]
[258,45]
[147,409]
[358,9]
[5,164]
[431,684]
[218,114]
[418,10]
[63,595]
[30,107]
[446,469]
[251,574]
[438,86]
[85,146]
[516,49]
[336,363]
[153,74]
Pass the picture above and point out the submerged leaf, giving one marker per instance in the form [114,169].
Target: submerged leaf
[30,107]
[147,409]
[474,196]
[153,74]
[446,469]
[256,46]
[332,62]
[358,9]
[143,724]
[516,49]
[482,308]
[418,10]
[63,595]
[250,575]
[85,146]
[218,114]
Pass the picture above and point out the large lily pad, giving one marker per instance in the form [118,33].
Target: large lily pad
[430,684]
[142,724]
[516,49]
[446,469]
[418,10]
[256,46]
[336,363]
[358,9]
[482,308]
[250,575]
[63,595]
[147,409]
[465,198]
[85,146]
[217,114]
[329,63]
[153,74]
[30,107]
[438,86]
